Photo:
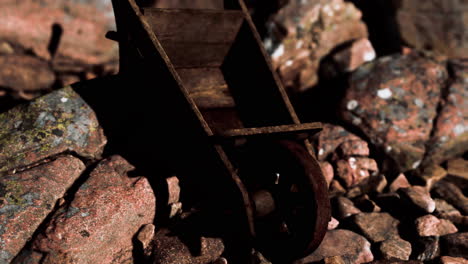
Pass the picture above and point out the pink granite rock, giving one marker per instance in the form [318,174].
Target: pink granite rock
[340,242]
[395,248]
[354,170]
[418,197]
[393,100]
[400,182]
[330,138]
[327,170]
[377,227]
[83,25]
[304,32]
[450,137]
[26,198]
[430,225]
[98,225]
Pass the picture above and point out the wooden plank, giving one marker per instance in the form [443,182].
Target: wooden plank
[195,38]
[207,87]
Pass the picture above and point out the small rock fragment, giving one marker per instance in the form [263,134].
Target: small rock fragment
[145,237]
[327,170]
[455,245]
[355,169]
[344,207]
[417,197]
[170,249]
[399,182]
[339,242]
[376,227]
[395,248]
[333,224]
[426,248]
[430,225]
[430,175]
[452,194]
[353,148]
[452,260]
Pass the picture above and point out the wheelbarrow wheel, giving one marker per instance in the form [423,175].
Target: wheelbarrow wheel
[290,197]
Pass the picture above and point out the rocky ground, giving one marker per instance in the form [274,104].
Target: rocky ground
[393,148]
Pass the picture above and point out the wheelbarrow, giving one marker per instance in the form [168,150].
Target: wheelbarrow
[216,85]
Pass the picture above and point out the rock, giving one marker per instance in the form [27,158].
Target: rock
[170,249]
[455,245]
[458,172]
[26,198]
[221,261]
[145,238]
[443,207]
[327,170]
[77,27]
[302,33]
[376,227]
[430,225]
[29,74]
[399,182]
[418,198]
[452,260]
[52,124]
[353,148]
[336,188]
[6,48]
[334,260]
[173,189]
[450,132]
[431,174]
[426,248]
[374,184]
[344,207]
[365,204]
[393,101]
[98,225]
[333,224]
[355,170]
[452,194]
[344,243]
[395,248]
[353,56]
[330,138]
[435,25]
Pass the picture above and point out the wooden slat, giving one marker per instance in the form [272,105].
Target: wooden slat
[207,87]
[195,38]
[271,130]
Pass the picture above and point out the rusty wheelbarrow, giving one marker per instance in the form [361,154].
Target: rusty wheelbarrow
[219,89]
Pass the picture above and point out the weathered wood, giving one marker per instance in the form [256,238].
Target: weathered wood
[207,87]
[195,38]
[272,130]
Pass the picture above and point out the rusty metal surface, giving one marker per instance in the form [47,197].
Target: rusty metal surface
[214,79]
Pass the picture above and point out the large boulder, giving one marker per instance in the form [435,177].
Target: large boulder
[26,198]
[76,28]
[394,101]
[98,225]
[436,25]
[52,124]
